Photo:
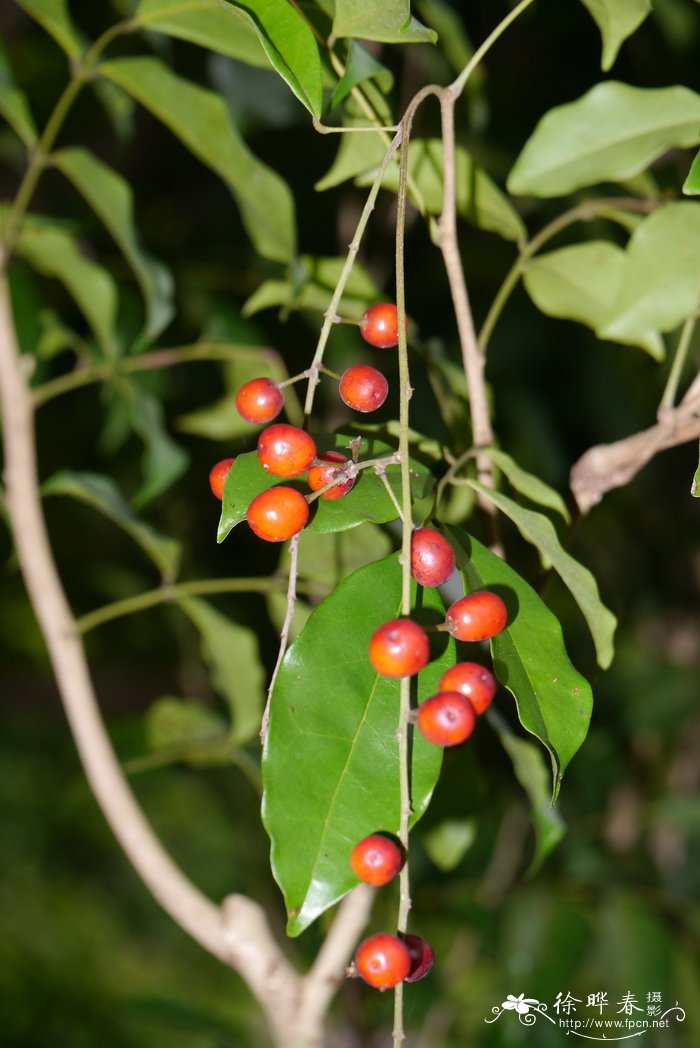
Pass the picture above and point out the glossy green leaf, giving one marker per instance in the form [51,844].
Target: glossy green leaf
[360,66]
[330,763]
[232,655]
[200,119]
[187,730]
[220,27]
[103,495]
[449,841]
[611,133]
[367,500]
[357,154]
[389,22]
[277,610]
[695,486]
[582,282]
[53,16]
[529,658]
[691,186]
[314,284]
[527,483]
[532,774]
[110,197]
[539,530]
[616,19]
[660,277]
[14,107]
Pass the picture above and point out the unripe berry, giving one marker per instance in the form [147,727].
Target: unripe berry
[432,557]
[259,400]
[217,476]
[376,859]
[446,719]
[473,681]
[285,450]
[320,475]
[477,617]
[422,957]
[399,648]
[382,961]
[277,513]
[380,325]
[363,388]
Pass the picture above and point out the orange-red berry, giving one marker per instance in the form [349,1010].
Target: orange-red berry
[363,388]
[259,400]
[432,557]
[422,957]
[383,961]
[473,681]
[376,859]
[478,616]
[399,648]
[326,469]
[285,450]
[446,719]
[277,513]
[380,325]
[217,476]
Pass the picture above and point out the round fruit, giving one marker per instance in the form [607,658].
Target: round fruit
[473,681]
[320,475]
[432,557]
[363,388]
[446,719]
[278,513]
[422,957]
[383,961]
[376,859]
[399,648]
[217,476]
[285,450]
[259,400]
[477,617]
[380,325]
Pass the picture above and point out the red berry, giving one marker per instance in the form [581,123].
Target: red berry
[432,557]
[422,957]
[473,681]
[363,388]
[446,719]
[217,476]
[278,513]
[376,859]
[259,400]
[380,325]
[477,617]
[383,961]
[399,648]
[318,476]
[285,450]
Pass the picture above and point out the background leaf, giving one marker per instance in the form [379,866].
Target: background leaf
[212,24]
[14,106]
[527,483]
[691,186]
[360,66]
[617,19]
[187,730]
[330,763]
[53,16]
[389,22]
[312,287]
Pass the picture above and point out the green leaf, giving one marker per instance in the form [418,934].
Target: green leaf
[479,200]
[110,197]
[53,16]
[617,19]
[367,500]
[329,558]
[527,483]
[330,763]
[103,495]
[357,153]
[232,654]
[529,658]
[209,23]
[691,186]
[360,66]
[315,280]
[695,486]
[611,133]
[163,460]
[14,106]
[187,730]
[200,119]
[582,282]
[449,841]
[660,277]
[389,22]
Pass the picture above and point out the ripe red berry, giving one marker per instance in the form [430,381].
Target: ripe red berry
[363,388]
[277,513]
[376,859]
[446,719]
[422,957]
[217,476]
[473,681]
[399,648]
[477,617]
[259,400]
[285,450]
[380,325]
[432,557]
[383,961]
[320,475]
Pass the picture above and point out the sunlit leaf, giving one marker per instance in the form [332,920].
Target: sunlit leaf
[53,16]
[616,19]
[389,22]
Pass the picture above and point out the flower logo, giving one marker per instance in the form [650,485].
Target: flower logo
[520,1004]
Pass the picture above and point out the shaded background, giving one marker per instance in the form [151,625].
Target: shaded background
[86,956]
